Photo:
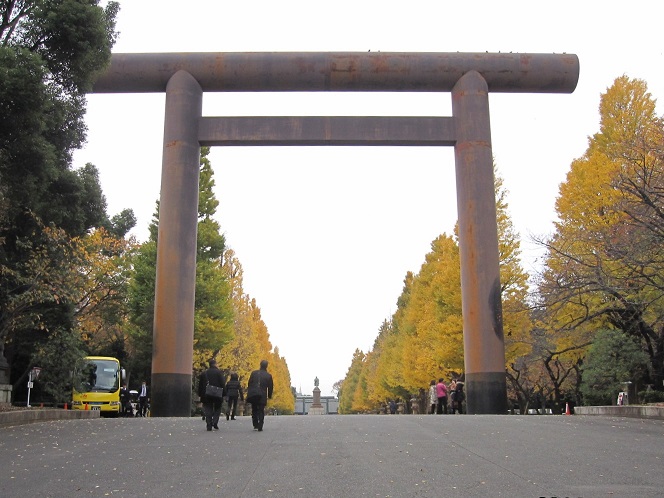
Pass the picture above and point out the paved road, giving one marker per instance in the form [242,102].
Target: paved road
[337,456]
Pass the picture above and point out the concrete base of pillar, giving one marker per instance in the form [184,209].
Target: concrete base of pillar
[170,395]
[486,393]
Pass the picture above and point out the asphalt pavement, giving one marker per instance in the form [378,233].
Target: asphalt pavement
[337,456]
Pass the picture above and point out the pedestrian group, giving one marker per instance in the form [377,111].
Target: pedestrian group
[445,399]
[139,406]
[213,390]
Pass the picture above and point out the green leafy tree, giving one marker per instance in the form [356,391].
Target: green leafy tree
[50,54]
[56,356]
[213,310]
[141,307]
[38,290]
[80,282]
[613,358]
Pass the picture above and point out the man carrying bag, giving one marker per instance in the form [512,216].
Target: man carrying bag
[211,391]
[258,392]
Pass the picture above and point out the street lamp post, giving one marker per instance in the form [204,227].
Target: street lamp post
[32,376]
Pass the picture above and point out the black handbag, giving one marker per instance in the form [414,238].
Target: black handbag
[213,391]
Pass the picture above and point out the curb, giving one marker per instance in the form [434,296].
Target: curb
[20,417]
[649,412]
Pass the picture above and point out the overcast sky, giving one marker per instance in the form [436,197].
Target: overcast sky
[326,235]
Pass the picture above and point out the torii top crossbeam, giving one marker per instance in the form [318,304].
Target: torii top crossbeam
[341,71]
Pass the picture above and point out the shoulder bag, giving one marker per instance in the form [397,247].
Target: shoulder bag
[213,391]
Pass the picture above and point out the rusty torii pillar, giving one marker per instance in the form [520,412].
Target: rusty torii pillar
[468,76]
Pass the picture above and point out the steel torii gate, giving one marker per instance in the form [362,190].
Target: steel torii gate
[468,76]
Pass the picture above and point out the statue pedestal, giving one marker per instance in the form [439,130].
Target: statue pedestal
[5,386]
[316,408]
[5,393]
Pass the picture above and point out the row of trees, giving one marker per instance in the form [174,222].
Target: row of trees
[227,322]
[591,319]
[604,265]
[423,339]
[71,281]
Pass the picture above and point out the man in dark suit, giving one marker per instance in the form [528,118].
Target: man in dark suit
[258,392]
[125,405]
[211,404]
[143,399]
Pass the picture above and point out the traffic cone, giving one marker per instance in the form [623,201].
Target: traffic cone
[567,412]
[65,406]
[87,407]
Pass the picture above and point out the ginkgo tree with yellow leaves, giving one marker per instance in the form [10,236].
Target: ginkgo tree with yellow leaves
[351,385]
[101,309]
[251,342]
[604,264]
[227,323]
[424,338]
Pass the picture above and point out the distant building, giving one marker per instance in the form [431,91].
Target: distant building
[303,403]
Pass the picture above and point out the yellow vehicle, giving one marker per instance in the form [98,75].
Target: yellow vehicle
[96,385]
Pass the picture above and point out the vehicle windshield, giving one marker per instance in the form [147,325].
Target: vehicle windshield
[99,376]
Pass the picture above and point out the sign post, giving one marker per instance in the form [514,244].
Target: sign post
[32,376]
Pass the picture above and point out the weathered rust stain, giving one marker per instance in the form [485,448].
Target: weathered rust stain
[471,144]
[496,306]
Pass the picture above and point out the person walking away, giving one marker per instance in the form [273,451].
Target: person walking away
[211,404]
[233,392]
[259,391]
[459,396]
[143,400]
[433,397]
[125,404]
[441,392]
